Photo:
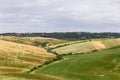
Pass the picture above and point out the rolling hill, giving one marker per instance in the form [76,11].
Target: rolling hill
[18,56]
[101,65]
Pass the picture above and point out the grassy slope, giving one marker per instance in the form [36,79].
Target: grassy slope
[102,65]
[87,46]
[18,57]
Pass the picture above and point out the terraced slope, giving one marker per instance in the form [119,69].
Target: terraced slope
[87,46]
[19,57]
[101,65]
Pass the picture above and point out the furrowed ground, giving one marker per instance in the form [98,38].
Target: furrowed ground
[101,65]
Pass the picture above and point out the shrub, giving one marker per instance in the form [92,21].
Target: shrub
[42,44]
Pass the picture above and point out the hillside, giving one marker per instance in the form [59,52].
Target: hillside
[101,65]
[19,57]
[20,60]
[86,46]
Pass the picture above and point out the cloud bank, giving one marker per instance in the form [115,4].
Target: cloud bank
[59,15]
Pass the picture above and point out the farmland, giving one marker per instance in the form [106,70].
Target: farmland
[87,46]
[65,44]
[16,59]
[19,57]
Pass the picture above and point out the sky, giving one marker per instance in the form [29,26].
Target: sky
[59,15]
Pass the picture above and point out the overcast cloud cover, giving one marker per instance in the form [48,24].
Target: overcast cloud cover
[59,15]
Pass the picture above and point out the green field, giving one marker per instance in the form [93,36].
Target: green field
[101,65]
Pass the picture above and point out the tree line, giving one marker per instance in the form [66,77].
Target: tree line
[67,35]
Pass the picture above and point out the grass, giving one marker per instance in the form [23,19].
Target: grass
[101,65]
[19,56]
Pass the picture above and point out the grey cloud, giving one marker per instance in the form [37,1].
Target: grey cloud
[59,15]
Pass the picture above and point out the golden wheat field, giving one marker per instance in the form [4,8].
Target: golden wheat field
[19,57]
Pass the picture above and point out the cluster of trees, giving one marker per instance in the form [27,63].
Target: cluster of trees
[67,35]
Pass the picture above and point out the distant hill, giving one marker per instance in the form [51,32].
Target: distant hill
[67,35]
